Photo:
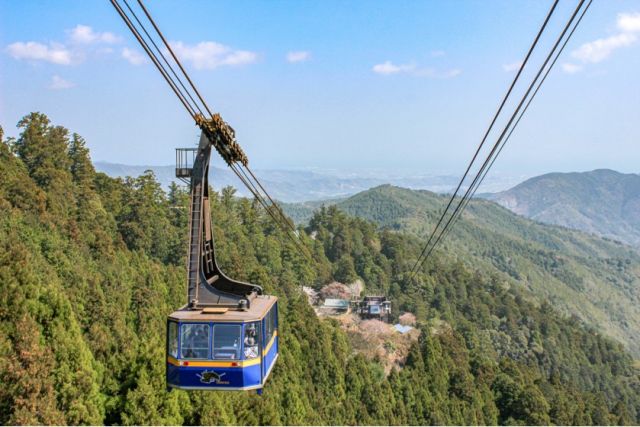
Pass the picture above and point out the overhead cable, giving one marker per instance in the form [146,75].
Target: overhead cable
[428,249]
[251,181]
[486,134]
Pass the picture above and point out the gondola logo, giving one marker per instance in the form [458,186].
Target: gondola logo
[212,377]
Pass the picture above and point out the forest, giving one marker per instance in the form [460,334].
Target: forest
[594,278]
[90,266]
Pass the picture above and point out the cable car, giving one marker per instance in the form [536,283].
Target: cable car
[226,336]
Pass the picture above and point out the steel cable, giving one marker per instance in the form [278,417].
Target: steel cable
[504,142]
[153,58]
[195,104]
[280,219]
[146,12]
[491,157]
[486,134]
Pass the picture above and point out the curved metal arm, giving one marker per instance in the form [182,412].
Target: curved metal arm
[208,286]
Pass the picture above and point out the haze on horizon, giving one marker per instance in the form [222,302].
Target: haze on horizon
[402,86]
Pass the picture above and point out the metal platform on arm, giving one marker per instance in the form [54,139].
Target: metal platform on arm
[185,158]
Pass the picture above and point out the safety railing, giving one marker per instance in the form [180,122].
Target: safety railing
[185,158]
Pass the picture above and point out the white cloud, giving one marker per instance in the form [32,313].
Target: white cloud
[628,25]
[570,68]
[629,22]
[298,56]
[211,55]
[83,34]
[437,53]
[450,73]
[514,66]
[58,83]
[388,68]
[75,51]
[133,56]
[239,57]
[34,51]
[600,49]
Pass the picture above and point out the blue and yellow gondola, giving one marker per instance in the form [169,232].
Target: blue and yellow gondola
[218,349]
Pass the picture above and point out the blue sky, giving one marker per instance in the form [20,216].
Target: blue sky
[403,85]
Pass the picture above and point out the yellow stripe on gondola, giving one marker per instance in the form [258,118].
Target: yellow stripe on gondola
[213,364]
[273,339]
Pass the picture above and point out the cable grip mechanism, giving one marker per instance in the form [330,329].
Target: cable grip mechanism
[223,138]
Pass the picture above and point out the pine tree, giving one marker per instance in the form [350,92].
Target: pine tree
[28,380]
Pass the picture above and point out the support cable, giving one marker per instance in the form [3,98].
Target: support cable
[491,155]
[153,58]
[251,187]
[486,134]
[273,203]
[164,58]
[504,142]
[275,206]
[146,12]
[193,108]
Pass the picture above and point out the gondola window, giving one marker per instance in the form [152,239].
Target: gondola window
[195,341]
[251,334]
[172,341]
[226,341]
[268,327]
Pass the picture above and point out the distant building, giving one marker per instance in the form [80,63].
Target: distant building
[373,307]
[335,303]
[334,306]
[403,329]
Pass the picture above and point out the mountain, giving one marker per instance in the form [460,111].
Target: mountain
[312,184]
[596,279]
[602,202]
[90,266]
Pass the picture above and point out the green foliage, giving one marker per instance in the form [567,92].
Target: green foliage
[90,266]
[596,279]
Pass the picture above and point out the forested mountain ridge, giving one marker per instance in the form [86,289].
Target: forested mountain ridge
[90,266]
[593,278]
[603,202]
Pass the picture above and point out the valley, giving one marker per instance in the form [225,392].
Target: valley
[596,279]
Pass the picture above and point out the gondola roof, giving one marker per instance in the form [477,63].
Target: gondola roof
[260,305]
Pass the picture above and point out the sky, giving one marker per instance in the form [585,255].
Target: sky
[403,86]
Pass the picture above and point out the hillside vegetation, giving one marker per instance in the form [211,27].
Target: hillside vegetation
[602,202]
[90,266]
[596,279]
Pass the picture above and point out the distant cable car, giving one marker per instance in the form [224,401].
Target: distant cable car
[226,336]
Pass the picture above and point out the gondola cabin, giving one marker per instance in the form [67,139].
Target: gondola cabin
[222,349]
[226,336]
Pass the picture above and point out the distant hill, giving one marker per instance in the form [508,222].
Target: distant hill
[602,202]
[310,184]
[596,279]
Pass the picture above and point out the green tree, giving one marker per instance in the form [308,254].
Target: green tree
[27,379]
